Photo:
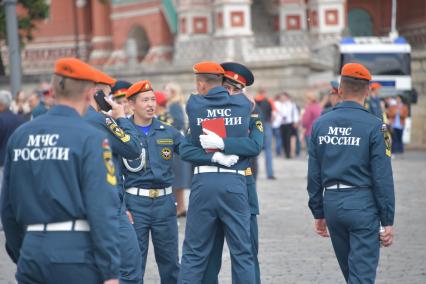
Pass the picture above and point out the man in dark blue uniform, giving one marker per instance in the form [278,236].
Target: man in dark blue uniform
[373,103]
[148,180]
[125,143]
[219,198]
[59,200]
[333,97]
[350,180]
[118,92]
[40,108]
[236,78]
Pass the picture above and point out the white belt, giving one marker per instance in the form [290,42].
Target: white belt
[340,186]
[77,225]
[213,169]
[152,193]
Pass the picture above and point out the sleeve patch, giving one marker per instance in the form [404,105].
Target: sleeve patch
[108,162]
[259,125]
[116,130]
[388,143]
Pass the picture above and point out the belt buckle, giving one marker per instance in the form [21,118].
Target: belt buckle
[248,172]
[153,193]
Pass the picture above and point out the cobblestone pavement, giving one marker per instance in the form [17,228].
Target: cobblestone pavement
[290,252]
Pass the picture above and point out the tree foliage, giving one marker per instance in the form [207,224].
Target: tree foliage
[32,11]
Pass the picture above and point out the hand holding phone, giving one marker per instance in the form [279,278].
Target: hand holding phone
[101,102]
[117,110]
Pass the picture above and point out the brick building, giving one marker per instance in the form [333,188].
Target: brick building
[140,33]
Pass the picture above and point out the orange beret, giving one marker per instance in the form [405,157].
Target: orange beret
[208,67]
[161,98]
[356,70]
[103,78]
[375,86]
[75,69]
[139,87]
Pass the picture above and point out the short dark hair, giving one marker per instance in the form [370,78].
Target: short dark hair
[353,86]
[64,87]
[211,79]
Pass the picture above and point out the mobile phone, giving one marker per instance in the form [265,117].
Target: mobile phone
[100,100]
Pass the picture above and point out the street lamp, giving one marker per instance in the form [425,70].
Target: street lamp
[393,33]
[13,46]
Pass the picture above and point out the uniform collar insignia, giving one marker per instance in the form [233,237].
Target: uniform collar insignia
[158,124]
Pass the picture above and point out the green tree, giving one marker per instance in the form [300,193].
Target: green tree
[34,10]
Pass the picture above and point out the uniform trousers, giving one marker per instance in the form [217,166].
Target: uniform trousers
[268,149]
[158,216]
[130,254]
[57,257]
[1,186]
[353,222]
[215,258]
[217,200]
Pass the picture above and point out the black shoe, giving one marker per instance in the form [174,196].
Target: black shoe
[272,178]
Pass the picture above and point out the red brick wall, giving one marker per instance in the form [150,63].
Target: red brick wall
[155,25]
[61,21]
[379,10]
[410,13]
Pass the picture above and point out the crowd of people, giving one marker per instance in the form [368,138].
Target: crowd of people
[170,109]
[89,145]
[95,146]
[288,122]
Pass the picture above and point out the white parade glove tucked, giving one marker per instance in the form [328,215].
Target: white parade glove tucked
[211,140]
[224,160]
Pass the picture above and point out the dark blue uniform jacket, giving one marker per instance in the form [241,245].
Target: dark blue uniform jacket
[348,147]
[58,168]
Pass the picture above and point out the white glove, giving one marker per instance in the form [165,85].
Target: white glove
[211,140]
[224,160]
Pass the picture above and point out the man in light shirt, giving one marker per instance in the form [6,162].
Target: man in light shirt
[290,119]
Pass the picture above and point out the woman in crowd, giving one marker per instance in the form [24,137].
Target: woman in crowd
[397,112]
[276,124]
[313,110]
[20,105]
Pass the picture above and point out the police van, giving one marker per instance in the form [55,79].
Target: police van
[389,61]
